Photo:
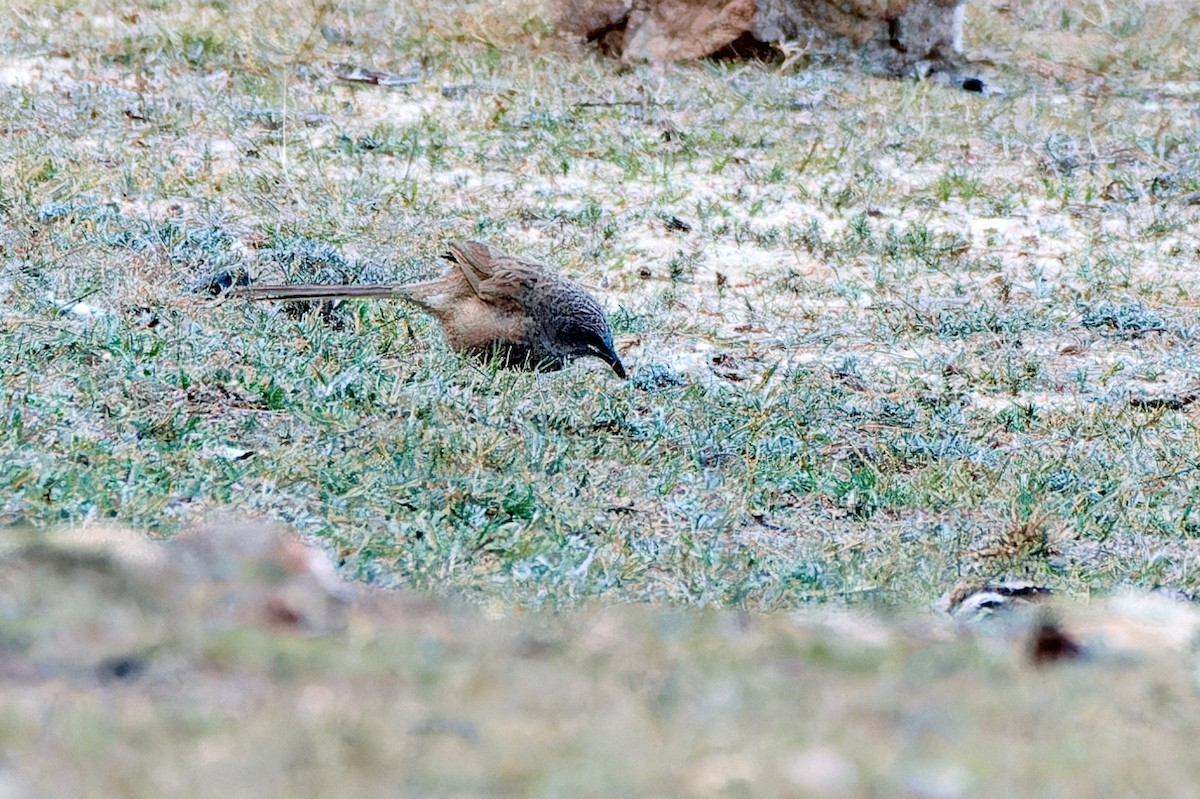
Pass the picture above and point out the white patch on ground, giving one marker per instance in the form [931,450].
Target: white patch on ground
[26,71]
[397,107]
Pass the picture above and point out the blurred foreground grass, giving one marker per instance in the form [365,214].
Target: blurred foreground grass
[218,665]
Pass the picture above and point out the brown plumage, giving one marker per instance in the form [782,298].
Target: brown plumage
[492,306]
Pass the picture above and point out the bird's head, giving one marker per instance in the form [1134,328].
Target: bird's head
[588,335]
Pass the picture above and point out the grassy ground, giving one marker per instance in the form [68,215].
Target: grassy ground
[208,670]
[912,336]
[906,339]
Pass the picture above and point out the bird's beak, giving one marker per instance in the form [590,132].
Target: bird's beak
[609,355]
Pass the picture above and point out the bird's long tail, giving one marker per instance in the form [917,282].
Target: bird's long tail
[313,291]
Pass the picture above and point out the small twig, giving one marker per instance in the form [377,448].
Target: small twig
[375,77]
[612,103]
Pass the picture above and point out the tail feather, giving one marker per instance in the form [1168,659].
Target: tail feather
[321,292]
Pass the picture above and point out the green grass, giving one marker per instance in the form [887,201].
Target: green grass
[896,349]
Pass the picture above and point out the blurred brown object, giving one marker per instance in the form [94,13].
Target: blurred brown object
[895,34]
[1049,644]
[663,31]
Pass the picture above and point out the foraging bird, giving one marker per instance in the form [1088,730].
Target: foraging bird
[493,306]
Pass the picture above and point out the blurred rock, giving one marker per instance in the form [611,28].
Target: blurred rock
[897,36]
[114,597]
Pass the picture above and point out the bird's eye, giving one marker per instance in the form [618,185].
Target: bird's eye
[575,336]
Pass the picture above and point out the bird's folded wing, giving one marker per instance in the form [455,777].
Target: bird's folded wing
[495,278]
[474,260]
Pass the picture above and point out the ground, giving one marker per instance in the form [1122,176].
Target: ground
[888,339]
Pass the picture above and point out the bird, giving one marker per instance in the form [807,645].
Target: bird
[492,306]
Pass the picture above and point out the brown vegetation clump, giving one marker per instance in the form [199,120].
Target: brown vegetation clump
[894,34]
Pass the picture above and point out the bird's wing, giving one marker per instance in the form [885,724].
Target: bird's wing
[474,260]
[495,278]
